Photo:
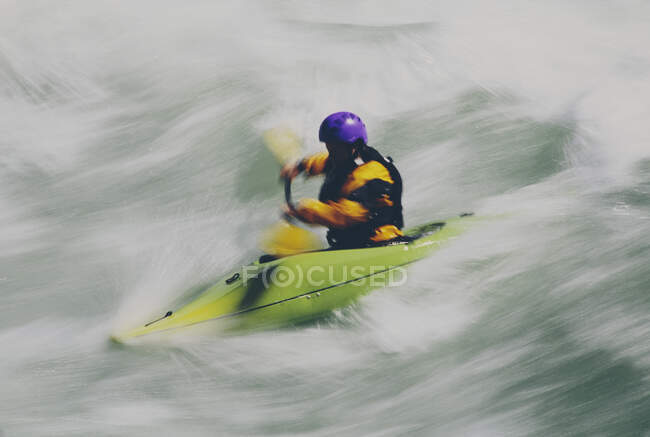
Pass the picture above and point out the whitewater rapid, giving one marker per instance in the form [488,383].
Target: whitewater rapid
[132,169]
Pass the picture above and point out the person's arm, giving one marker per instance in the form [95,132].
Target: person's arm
[368,188]
[312,165]
[315,164]
[339,214]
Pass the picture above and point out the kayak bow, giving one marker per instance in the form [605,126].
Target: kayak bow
[274,292]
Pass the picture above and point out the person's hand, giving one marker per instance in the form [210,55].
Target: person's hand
[290,212]
[289,171]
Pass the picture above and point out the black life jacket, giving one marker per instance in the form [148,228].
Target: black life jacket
[359,235]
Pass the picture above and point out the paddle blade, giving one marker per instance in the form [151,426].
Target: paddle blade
[283,143]
[283,239]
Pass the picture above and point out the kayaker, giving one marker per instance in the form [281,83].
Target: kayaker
[361,199]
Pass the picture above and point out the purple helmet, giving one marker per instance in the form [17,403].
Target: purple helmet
[342,128]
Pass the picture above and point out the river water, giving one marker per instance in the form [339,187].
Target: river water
[132,169]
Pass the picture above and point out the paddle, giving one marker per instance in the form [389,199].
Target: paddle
[285,238]
[283,143]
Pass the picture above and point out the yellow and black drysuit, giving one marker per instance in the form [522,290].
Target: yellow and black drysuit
[361,204]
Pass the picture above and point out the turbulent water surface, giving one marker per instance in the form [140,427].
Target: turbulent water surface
[132,169]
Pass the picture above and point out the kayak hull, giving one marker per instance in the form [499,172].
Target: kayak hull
[298,288]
